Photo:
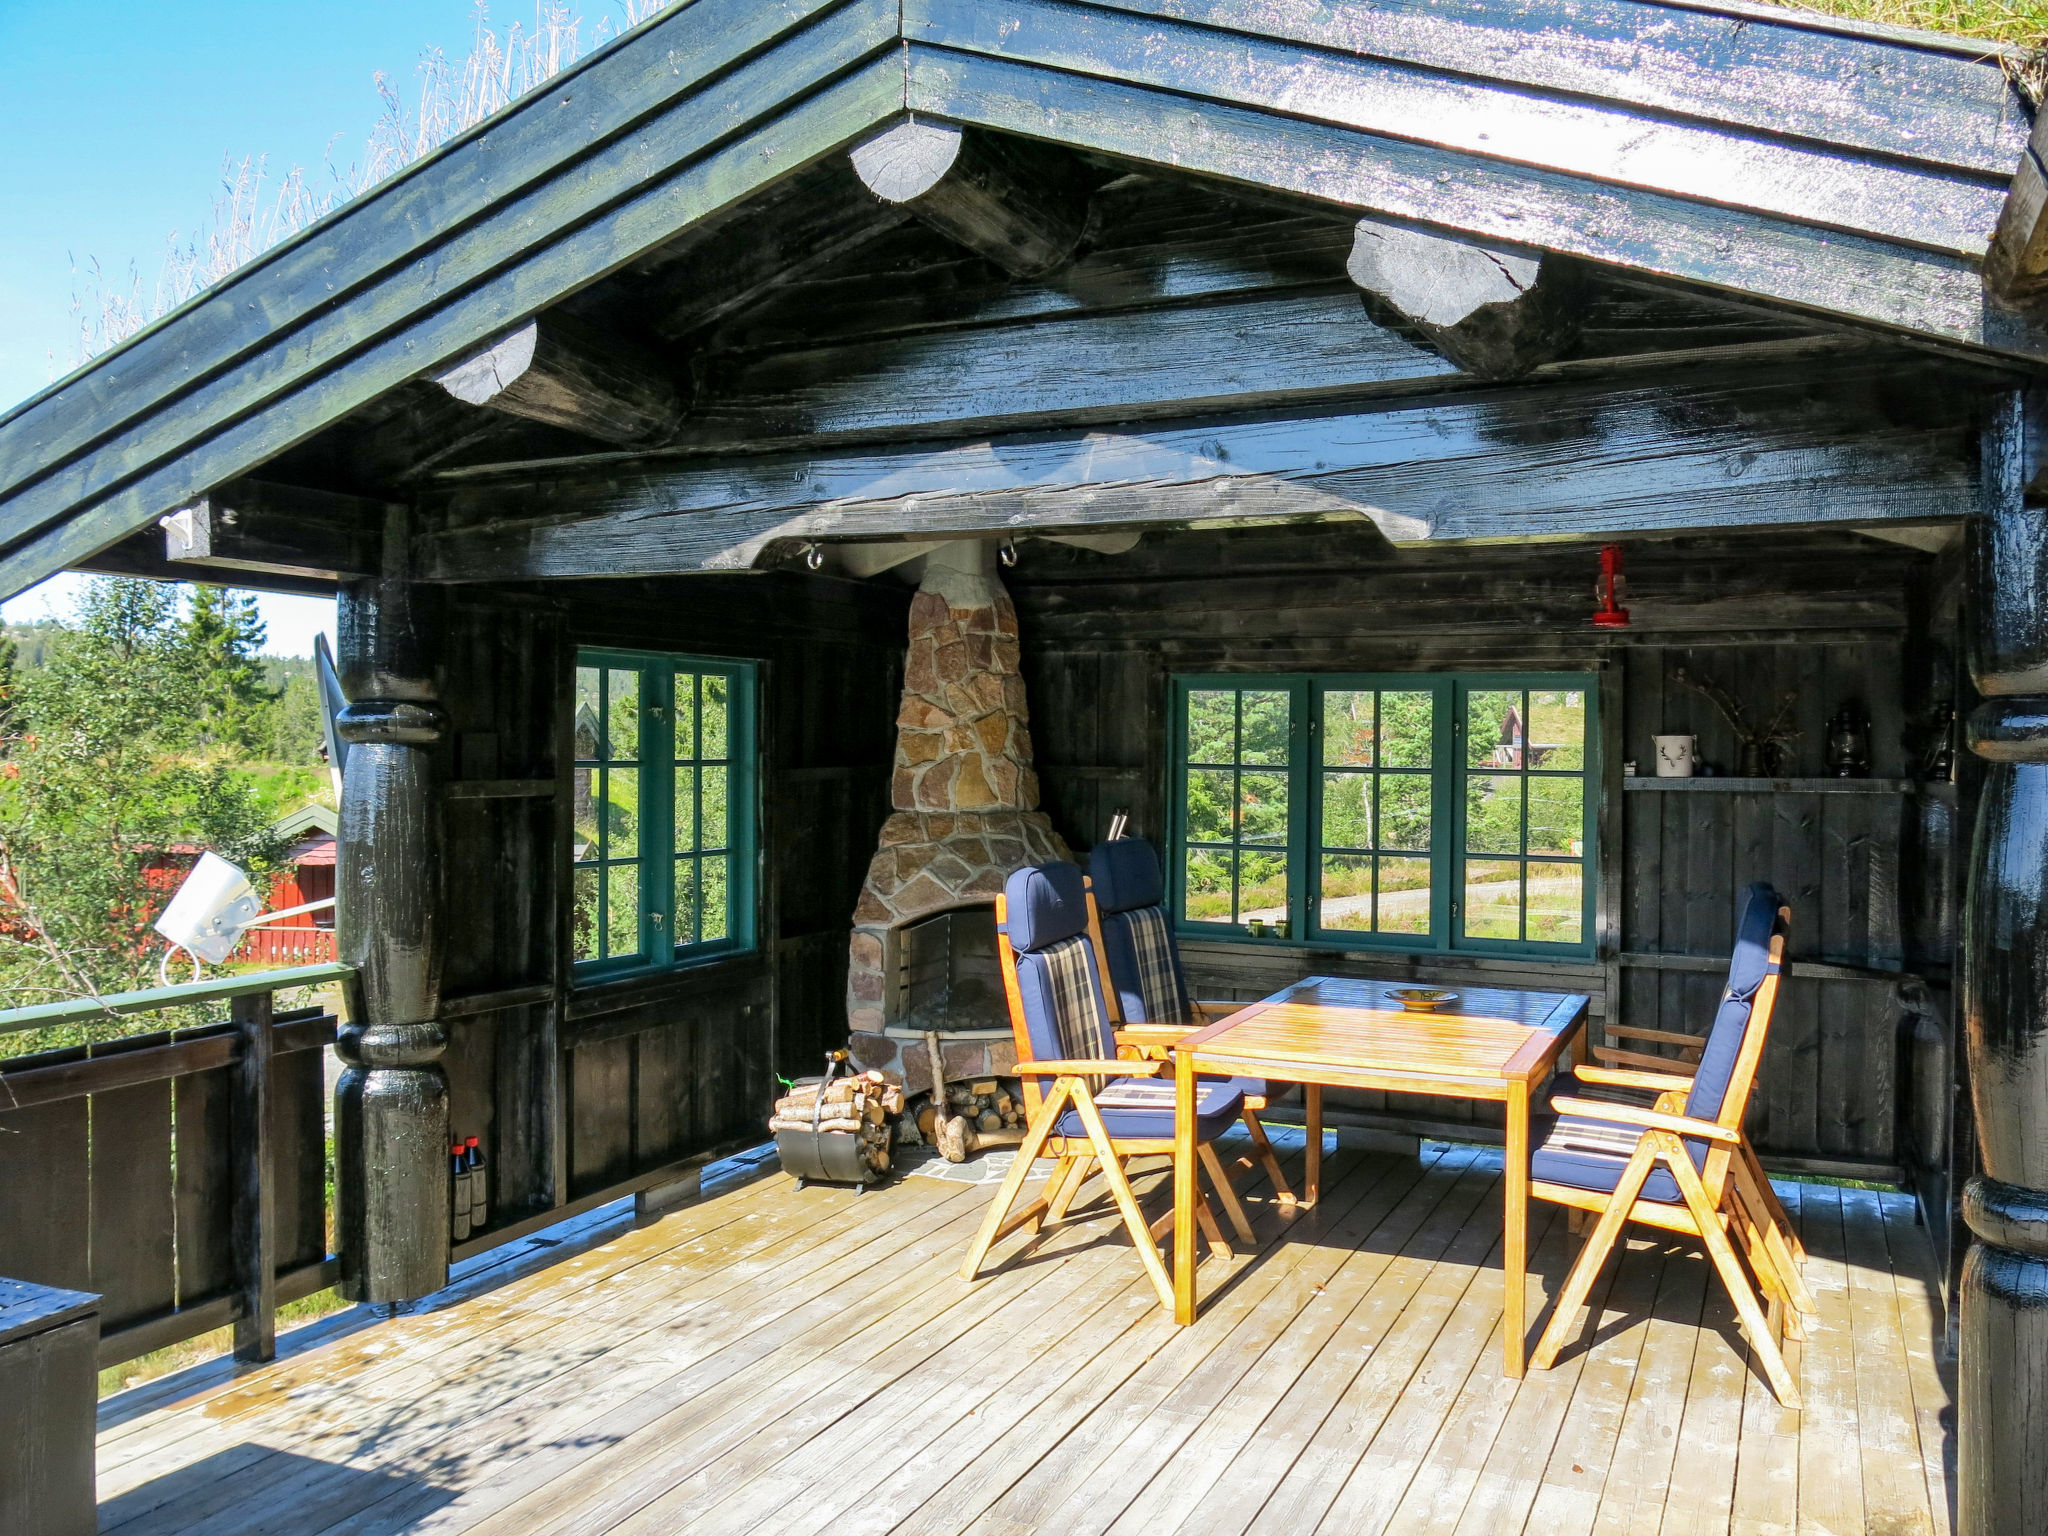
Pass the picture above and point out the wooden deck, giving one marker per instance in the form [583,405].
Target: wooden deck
[776,1360]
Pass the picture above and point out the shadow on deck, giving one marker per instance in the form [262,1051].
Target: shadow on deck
[808,1362]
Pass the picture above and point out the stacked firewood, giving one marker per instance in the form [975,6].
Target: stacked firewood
[865,1104]
[987,1112]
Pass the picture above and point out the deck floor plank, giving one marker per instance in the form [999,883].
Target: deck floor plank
[1915,1288]
[1020,1451]
[1639,1472]
[554,1350]
[1894,1482]
[1611,1338]
[1830,1449]
[796,1363]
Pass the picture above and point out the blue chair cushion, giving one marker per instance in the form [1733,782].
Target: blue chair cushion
[1747,968]
[1584,1153]
[1045,904]
[1141,1109]
[1126,874]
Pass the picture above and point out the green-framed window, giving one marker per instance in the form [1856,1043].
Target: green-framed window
[662,855]
[1414,812]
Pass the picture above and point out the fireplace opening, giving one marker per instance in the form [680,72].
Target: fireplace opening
[948,976]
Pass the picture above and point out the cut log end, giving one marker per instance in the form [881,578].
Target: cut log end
[908,160]
[1496,314]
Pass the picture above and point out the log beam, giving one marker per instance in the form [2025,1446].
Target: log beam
[391,1104]
[2016,266]
[2002,1436]
[1019,204]
[1494,313]
[558,371]
[1834,446]
[255,527]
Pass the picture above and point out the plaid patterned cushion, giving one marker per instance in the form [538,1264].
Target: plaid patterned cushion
[1077,1004]
[1572,1133]
[1166,1001]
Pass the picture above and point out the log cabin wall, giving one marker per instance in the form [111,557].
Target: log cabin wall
[668,1065]
[580,1088]
[1831,617]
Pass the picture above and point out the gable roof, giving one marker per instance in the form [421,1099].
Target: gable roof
[1849,172]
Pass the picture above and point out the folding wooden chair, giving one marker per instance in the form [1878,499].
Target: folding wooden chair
[1148,990]
[1099,1111]
[1683,1164]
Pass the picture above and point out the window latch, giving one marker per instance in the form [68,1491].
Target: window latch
[656,917]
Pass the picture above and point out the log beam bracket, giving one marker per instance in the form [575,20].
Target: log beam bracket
[2016,266]
[1493,312]
[278,530]
[1019,204]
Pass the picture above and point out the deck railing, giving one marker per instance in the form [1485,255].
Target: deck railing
[181,1174]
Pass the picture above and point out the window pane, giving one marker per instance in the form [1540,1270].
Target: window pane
[622,706]
[1493,899]
[1265,722]
[713,901]
[686,715]
[713,688]
[586,793]
[1407,727]
[1493,813]
[686,808]
[686,901]
[589,707]
[622,909]
[1405,891]
[1207,887]
[1347,810]
[1557,809]
[1557,730]
[1347,730]
[585,918]
[1262,807]
[1493,730]
[1404,811]
[1212,727]
[1347,891]
[622,813]
[1212,793]
[1262,885]
[1557,903]
[714,806]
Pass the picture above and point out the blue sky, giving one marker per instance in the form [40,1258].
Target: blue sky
[117,116]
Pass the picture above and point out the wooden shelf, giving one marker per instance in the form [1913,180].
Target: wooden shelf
[1734,786]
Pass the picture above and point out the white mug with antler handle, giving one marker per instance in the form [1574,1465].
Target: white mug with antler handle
[1676,755]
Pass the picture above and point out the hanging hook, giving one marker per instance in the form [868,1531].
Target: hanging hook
[1007,552]
[814,557]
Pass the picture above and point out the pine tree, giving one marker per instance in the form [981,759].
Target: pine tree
[223,637]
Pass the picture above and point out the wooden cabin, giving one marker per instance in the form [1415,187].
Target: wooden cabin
[811,459]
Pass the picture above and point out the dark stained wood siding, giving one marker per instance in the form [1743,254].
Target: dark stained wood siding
[577,1088]
[1829,616]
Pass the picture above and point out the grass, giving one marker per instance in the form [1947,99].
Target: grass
[1996,21]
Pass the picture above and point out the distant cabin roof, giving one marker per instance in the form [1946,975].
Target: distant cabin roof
[1836,170]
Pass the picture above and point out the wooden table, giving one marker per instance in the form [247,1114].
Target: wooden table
[1492,1043]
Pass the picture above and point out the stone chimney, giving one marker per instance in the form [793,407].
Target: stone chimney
[964,793]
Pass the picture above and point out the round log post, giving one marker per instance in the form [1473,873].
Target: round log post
[2002,1434]
[391,1105]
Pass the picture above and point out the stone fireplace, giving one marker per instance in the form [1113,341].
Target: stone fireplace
[965,815]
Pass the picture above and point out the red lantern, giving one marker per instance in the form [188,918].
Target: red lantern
[1612,589]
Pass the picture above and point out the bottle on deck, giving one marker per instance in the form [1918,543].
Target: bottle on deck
[459,1188]
[479,1185]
